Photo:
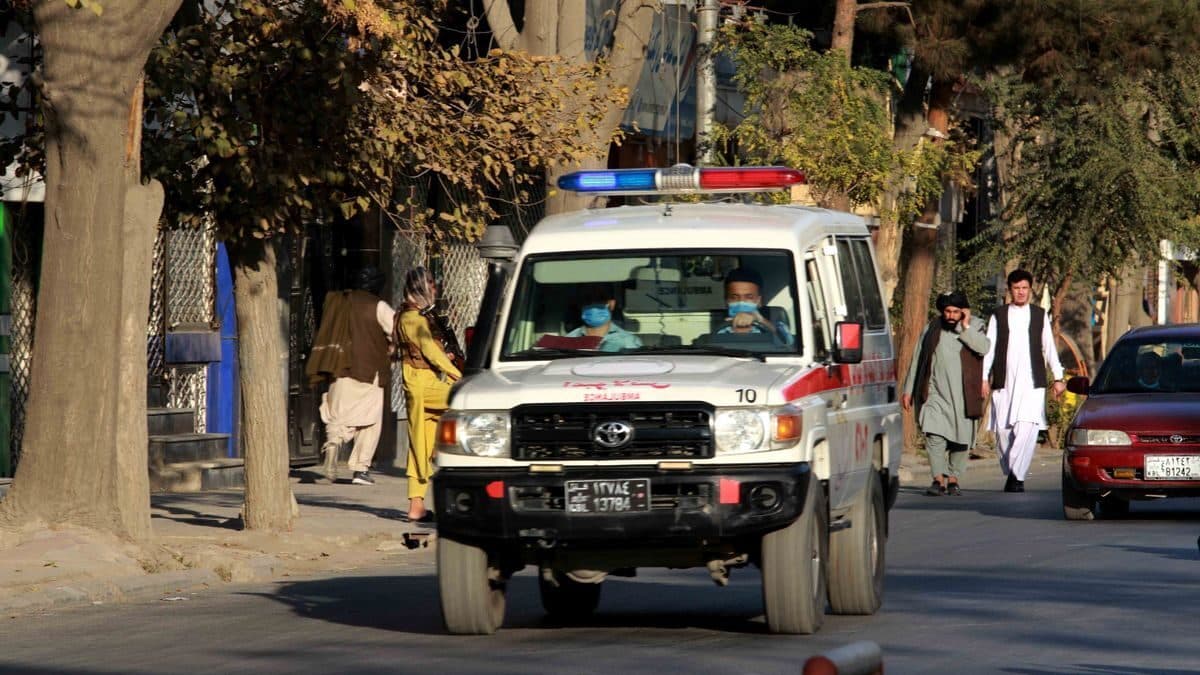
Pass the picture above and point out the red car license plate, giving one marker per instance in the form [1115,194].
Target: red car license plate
[1172,467]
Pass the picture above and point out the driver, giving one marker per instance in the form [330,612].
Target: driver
[599,301]
[743,297]
[1148,370]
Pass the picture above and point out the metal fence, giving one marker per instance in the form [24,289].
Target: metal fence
[188,298]
[156,326]
[24,267]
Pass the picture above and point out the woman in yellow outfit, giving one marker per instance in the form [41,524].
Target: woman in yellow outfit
[428,374]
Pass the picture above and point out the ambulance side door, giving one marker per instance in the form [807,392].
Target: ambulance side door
[872,380]
[824,290]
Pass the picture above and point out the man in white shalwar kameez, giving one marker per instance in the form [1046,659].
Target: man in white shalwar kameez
[1015,372]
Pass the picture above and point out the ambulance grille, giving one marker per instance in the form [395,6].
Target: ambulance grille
[568,432]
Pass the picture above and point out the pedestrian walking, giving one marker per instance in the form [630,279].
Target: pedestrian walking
[945,387]
[428,374]
[1017,371]
[352,347]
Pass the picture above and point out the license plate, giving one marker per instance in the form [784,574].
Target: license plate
[1172,467]
[625,495]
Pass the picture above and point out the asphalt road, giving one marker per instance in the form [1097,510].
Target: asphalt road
[984,583]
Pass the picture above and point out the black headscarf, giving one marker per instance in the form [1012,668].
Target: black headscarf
[953,299]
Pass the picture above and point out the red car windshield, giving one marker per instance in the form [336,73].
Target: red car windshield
[1151,366]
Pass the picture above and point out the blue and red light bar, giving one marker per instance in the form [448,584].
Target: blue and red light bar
[681,179]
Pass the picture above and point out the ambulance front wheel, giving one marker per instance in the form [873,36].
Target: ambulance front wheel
[857,554]
[472,591]
[794,569]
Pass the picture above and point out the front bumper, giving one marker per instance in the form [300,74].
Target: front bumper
[1094,470]
[702,506]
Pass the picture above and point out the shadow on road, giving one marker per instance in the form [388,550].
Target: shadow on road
[1100,669]
[338,503]
[409,604]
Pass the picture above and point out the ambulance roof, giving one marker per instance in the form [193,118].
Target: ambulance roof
[703,226]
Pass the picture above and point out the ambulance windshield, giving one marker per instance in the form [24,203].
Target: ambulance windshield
[728,302]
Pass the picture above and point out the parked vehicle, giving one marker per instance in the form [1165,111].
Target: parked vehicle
[1137,435]
[686,443]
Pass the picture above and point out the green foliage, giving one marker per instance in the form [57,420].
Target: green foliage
[266,115]
[816,113]
[1105,151]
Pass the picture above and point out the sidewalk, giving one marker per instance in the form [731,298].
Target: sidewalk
[983,470]
[198,543]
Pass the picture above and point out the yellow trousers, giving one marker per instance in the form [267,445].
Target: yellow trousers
[426,398]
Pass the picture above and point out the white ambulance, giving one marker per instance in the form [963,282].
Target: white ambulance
[674,385]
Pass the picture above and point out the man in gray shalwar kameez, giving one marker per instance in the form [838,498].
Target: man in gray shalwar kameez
[944,384]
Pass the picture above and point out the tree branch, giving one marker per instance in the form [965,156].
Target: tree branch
[887,5]
[882,5]
[499,16]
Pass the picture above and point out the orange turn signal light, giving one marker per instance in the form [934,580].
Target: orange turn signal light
[447,432]
[787,427]
[1125,473]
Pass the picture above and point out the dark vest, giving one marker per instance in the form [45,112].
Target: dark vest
[368,342]
[1037,319]
[972,372]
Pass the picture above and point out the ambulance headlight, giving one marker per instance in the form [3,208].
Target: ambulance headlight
[739,430]
[480,433]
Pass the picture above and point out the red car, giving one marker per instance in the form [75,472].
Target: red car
[1137,435]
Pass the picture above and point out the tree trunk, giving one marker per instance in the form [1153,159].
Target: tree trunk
[264,401]
[911,123]
[843,27]
[887,256]
[552,27]
[1125,304]
[922,258]
[84,454]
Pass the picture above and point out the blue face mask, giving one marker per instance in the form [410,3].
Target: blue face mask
[596,315]
[742,306]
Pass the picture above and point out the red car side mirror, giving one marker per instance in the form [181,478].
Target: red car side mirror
[1078,385]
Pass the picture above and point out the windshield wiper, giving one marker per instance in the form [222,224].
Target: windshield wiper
[703,349]
[551,352]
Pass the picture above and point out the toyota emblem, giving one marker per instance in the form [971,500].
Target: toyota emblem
[1176,438]
[612,434]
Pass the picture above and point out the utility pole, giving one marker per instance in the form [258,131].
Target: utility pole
[706,77]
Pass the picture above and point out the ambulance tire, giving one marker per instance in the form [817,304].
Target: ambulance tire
[570,600]
[857,554]
[794,569]
[472,592]
[1077,504]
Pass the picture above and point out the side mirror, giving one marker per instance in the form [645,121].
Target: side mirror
[1078,385]
[847,342]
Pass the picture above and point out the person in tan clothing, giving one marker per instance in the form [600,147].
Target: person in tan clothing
[352,409]
[428,374]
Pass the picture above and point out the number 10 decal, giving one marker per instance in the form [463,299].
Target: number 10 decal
[747,395]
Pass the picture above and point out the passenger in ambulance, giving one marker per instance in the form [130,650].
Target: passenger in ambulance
[743,297]
[598,304]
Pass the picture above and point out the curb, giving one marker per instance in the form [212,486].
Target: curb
[211,570]
[100,591]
